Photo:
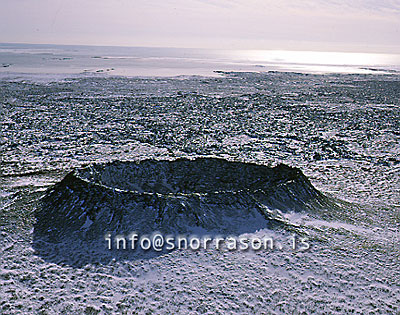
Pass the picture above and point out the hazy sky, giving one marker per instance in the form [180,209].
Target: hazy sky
[358,25]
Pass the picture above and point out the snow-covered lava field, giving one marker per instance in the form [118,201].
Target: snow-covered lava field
[333,139]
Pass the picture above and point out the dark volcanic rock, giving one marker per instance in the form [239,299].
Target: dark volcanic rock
[182,196]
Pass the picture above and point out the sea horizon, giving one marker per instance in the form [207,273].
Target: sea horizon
[56,59]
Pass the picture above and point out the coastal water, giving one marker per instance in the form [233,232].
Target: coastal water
[141,61]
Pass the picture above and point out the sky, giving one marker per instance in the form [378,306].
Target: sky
[321,25]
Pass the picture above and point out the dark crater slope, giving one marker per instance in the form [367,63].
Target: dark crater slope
[205,195]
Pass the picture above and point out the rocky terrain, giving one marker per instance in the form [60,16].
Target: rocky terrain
[341,131]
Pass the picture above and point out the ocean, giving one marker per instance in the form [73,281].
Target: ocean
[142,61]
[297,148]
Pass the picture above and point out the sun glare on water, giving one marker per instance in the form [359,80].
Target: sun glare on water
[317,58]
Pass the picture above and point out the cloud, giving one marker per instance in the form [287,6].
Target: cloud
[370,5]
[353,7]
[224,4]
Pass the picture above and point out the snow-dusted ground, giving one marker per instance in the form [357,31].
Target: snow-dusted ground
[342,131]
